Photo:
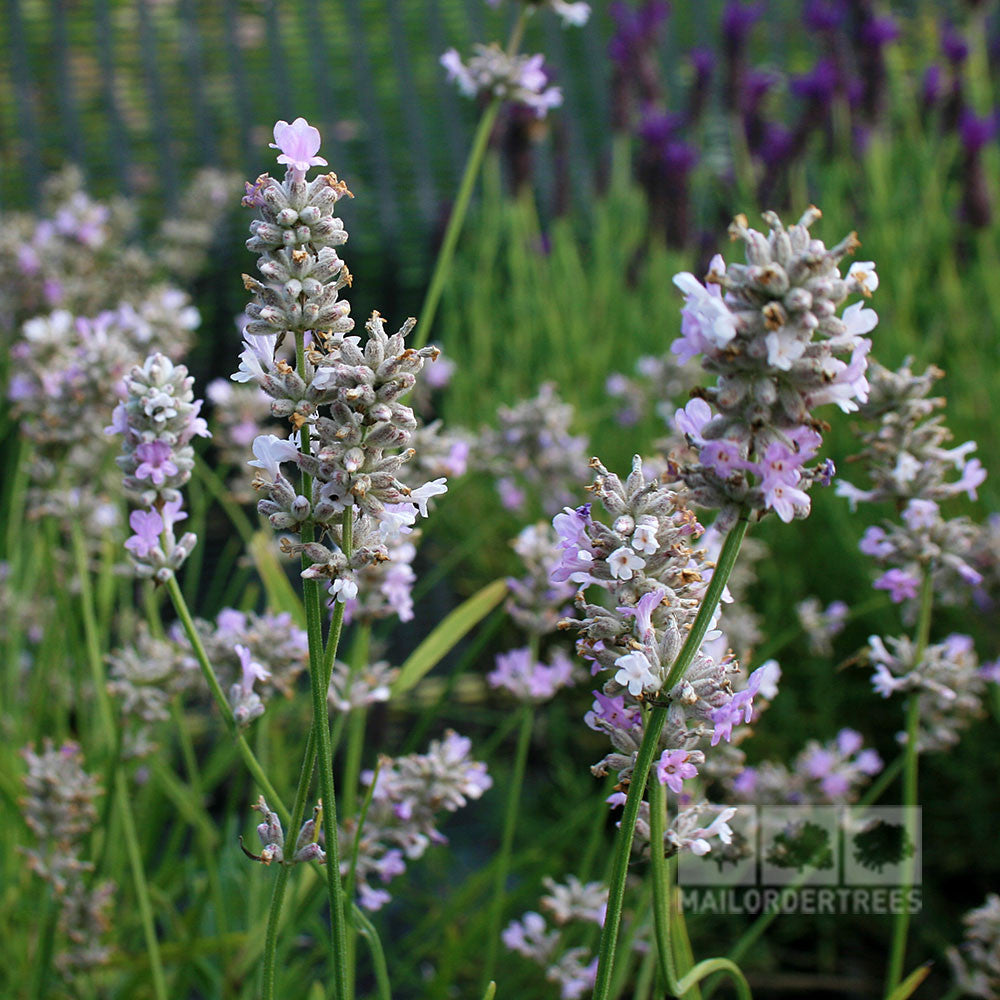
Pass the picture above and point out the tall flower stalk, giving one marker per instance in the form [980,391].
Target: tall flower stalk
[349,437]
[769,331]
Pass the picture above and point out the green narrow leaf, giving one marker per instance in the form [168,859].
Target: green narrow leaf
[909,985]
[281,594]
[444,637]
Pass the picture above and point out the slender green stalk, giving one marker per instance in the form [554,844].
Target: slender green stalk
[511,810]
[901,922]
[367,930]
[206,845]
[479,143]
[249,758]
[319,685]
[356,722]
[46,941]
[647,750]
[318,744]
[124,805]
[271,934]
[356,719]
[281,880]
[683,954]
[107,726]
[662,882]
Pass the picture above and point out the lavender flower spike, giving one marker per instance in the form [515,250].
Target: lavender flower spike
[769,330]
[492,73]
[158,420]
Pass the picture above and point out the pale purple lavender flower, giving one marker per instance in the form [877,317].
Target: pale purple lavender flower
[157,420]
[409,794]
[358,688]
[946,682]
[576,550]
[530,937]
[532,454]
[832,772]
[493,73]
[276,650]
[299,143]
[821,625]
[518,672]
[902,586]
[246,702]
[675,767]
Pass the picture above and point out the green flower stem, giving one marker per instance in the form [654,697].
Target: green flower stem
[901,922]
[46,940]
[319,685]
[647,750]
[206,845]
[356,719]
[442,265]
[320,666]
[124,804]
[360,651]
[511,810]
[249,758]
[281,880]
[121,794]
[683,954]
[662,883]
[271,934]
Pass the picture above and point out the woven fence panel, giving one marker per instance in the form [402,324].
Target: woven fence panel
[140,93]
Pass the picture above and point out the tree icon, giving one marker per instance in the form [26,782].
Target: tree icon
[801,845]
[882,844]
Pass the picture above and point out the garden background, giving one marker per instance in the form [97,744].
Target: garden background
[562,274]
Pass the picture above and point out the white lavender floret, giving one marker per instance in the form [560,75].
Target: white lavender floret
[573,13]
